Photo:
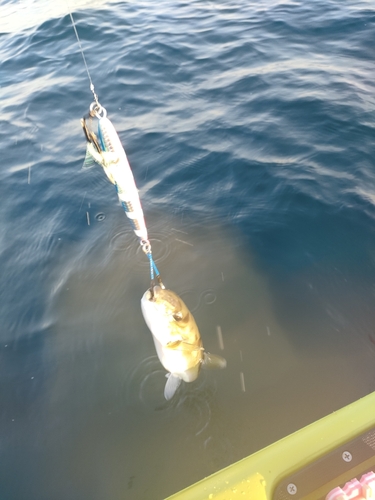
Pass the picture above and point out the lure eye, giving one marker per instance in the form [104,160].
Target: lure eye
[177,316]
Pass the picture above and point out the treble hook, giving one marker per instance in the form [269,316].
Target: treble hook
[90,136]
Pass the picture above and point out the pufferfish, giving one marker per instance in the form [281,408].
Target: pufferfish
[176,336]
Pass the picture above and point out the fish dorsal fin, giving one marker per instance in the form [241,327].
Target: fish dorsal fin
[212,361]
[173,383]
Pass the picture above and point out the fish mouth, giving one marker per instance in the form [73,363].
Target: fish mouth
[149,295]
[152,293]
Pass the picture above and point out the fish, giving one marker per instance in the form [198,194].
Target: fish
[105,149]
[176,337]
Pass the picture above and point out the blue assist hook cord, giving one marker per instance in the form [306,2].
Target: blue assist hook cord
[146,246]
[152,267]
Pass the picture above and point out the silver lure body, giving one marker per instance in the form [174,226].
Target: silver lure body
[106,150]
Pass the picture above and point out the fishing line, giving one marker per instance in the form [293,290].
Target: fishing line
[92,88]
[108,143]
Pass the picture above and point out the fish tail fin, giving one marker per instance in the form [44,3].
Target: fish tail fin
[212,361]
[104,159]
[173,383]
[92,157]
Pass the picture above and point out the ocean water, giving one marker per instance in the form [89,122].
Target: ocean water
[250,130]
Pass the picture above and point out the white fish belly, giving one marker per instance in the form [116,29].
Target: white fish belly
[157,324]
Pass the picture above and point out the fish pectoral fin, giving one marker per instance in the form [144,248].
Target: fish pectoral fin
[212,361]
[173,383]
[180,345]
[174,344]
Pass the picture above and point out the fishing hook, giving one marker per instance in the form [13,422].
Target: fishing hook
[90,136]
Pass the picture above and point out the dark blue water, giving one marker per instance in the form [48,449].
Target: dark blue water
[250,130]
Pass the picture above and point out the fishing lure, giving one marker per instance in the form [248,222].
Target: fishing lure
[104,147]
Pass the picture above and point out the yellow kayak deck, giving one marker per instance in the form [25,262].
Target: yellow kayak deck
[307,464]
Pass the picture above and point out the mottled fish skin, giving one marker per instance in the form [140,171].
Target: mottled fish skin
[176,336]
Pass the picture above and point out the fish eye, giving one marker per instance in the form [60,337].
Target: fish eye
[177,316]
